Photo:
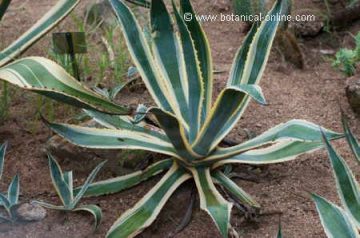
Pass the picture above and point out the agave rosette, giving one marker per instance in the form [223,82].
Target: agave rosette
[176,67]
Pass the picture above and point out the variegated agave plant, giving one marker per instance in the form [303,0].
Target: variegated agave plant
[178,72]
[342,222]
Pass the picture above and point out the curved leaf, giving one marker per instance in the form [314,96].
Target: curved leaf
[277,153]
[118,184]
[294,130]
[135,220]
[347,186]
[211,200]
[41,27]
[234,189]
[222,115]
[45,77]
[335,221]
[87,184]
[94,210]
[176,133]
[124,122]
[351,139]
[97,138]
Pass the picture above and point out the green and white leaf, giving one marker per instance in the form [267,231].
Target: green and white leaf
[211,200]
[203,51]
[141,55]
[222,115]
[347,186]
[2,157]
[41,27]
[45,77]
[97,138]
[93,210]
[86,185]
[14,191]
[135,220]
[335,221]
[234,189]
[294,130]
[351,139]
[57,178]
[118,184]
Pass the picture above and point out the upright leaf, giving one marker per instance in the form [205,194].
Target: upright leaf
[2,157]
[335,221]
[87,183]
[203,54]
[193,76]
[59,183]
[141,54]
[351,139]
[14,191]
[167,52]
[348,188]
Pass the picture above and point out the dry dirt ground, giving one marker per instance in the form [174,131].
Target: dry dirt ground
[313,93]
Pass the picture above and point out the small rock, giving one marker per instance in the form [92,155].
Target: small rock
[312,27]
[353,93]
[30,212]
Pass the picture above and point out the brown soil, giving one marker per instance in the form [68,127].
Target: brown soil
[313,94]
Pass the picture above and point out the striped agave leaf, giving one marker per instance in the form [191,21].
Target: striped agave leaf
[45,77]
[176,67]
[45,24]
[2,157]
[338,222]
[334,220]
[10,199]
[63,184]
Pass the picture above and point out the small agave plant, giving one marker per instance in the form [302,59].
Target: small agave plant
[176,67]
[11,199]
[63,184]
[337,221]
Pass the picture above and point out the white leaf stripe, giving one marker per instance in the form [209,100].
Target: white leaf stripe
[45,77]
[135,220]
[112,139]
[167,50]
[292,130]
[346,184]
[211,200]
[203,54]
[221,116]
[278,153]
[194,77]
[141,55]
[334,220]
[41,27]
